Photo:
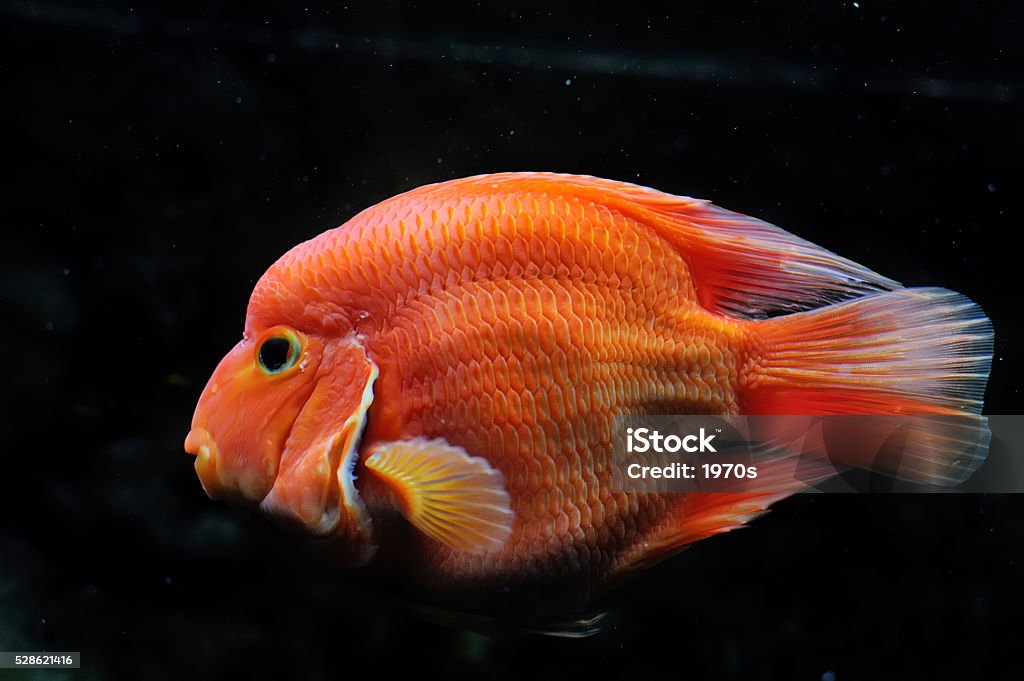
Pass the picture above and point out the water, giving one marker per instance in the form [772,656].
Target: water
[159,160]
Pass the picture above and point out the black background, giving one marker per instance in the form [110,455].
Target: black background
[159,156]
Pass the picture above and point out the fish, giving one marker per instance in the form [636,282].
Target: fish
[430,389]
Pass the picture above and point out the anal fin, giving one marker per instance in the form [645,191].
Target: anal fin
[705,514]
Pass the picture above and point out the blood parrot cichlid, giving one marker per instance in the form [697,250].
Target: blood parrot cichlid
[431,387]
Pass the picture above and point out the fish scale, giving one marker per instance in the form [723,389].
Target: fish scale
[458,355]
[612,377]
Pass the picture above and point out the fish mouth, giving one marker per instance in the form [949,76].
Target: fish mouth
[200,444]
[248,485]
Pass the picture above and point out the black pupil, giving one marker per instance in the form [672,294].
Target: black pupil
[274,353]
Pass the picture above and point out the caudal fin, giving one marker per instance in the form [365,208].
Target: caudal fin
[923,354]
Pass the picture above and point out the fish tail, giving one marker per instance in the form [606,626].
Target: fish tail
[920,352]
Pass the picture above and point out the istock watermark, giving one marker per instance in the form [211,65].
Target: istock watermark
[647,440]
[873,453]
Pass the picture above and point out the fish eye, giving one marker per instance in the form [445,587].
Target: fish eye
[278,353]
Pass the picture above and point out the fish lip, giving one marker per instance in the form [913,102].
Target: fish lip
[200,443]
[195,439]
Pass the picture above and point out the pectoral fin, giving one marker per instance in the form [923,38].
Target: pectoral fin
[457,499]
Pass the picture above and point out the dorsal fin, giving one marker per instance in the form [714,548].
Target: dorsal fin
[741,266]
[749,268]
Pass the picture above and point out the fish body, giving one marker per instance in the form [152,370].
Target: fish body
[432,387]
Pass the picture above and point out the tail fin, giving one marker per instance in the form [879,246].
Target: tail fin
[913,352]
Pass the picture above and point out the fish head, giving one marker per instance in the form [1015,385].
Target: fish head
[277,427]
[248,409]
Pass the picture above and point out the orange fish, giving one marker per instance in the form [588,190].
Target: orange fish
[431,387]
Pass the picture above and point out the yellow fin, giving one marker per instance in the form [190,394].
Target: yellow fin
[457,499]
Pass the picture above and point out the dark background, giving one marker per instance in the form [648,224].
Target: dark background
[159,156]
